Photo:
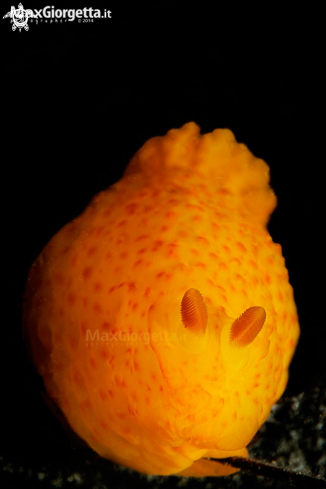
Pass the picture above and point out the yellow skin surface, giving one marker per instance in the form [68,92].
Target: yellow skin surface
[102,310]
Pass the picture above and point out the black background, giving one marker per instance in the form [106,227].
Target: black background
[80,99]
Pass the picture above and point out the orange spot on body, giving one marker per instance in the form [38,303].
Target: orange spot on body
[71,299]
[97,308]
[98,286]
[87,272]
[91,251]
[241,247]
[142,237]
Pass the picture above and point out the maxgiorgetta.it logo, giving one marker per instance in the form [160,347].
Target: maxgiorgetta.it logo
[49,14]
[19,17]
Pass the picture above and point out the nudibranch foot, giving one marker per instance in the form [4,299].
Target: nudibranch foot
[211,468]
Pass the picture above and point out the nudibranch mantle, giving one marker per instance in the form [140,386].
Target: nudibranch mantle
[162,319]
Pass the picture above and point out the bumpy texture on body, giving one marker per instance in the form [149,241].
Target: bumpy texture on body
[162,319]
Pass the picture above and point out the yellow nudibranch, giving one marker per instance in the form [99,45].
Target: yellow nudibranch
[162,319]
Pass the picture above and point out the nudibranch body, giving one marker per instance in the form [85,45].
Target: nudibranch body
[162,319]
